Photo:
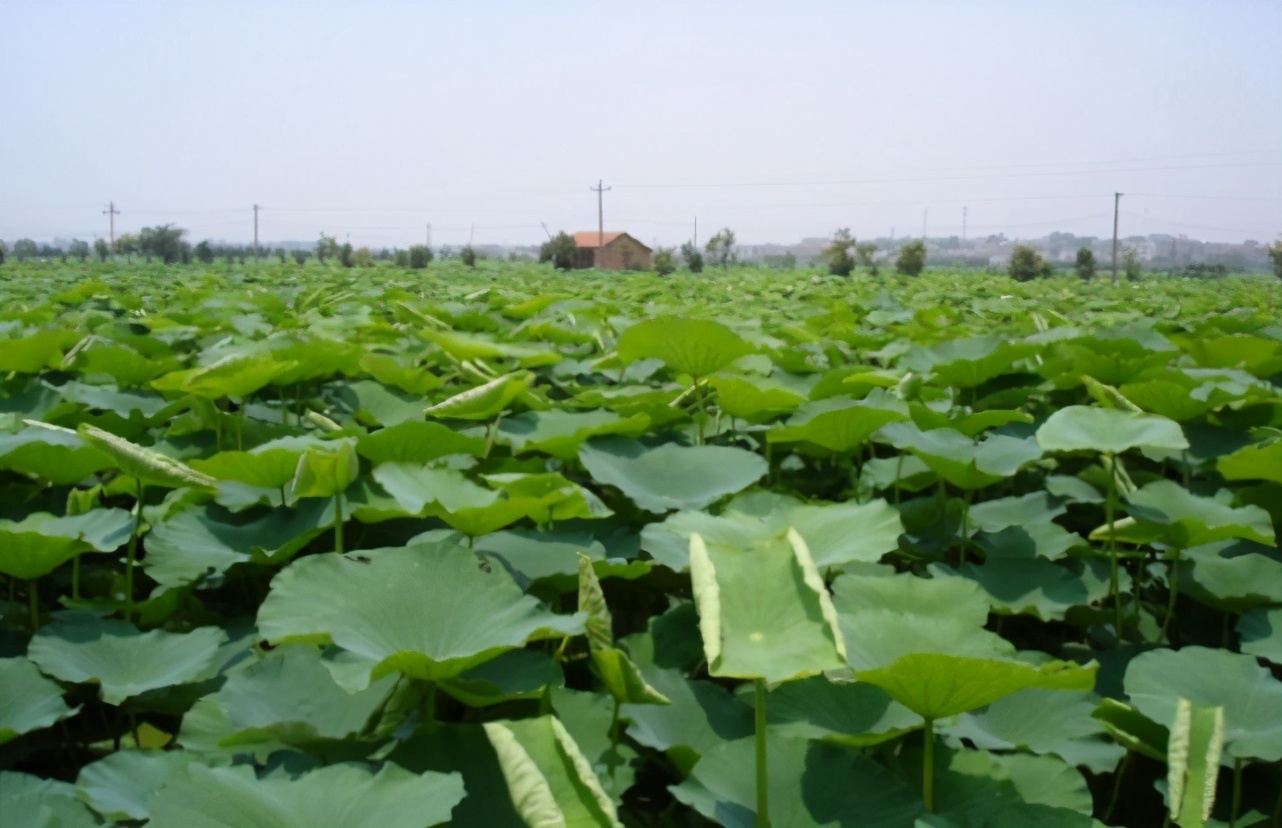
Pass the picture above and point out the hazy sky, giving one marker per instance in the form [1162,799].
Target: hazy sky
[779,120]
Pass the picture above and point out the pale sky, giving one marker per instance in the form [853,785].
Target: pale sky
[779,120]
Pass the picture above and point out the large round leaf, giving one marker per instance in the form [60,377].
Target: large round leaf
[32,802]
[59,456]
[697,347]
[1108,430]
[1250,696]
[428,610]
[964,462]
[121,785]
[764,611]
[149,467]
[122,660]
[484,401]
[671,476]
[838,425]
[338,796]
[30,701]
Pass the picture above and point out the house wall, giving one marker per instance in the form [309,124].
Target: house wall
[624,253]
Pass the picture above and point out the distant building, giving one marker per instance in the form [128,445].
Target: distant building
[613,251]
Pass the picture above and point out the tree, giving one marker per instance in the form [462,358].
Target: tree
[205,252]
[720,248]
[1027,264]
[326,248]
[363,257]
[912,258]
[559,251]
[282,255]
[2,250]
[300,256]
[837,254]
[692,257]
[127,243]
[24,249]
[865,252]
[467,256]
[664,261]
[165,242]
[1275,254]
[101,249]
[79,249]
[1131,263]
[1085,265]
[345,255]
[420,256]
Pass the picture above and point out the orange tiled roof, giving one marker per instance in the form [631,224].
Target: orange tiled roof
[589,238]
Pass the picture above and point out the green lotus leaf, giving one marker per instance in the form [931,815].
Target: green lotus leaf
[463,749]
[485,401]
[1261,631]
[337,796]
[469,346]
[511,676]
[414,486]
[289,697]
[935,686]
[1193,762]
[60,456]
[1108,430]
[549,780]
[620,676]
[1250,696]
[843,712]
[33,354]
[428,611]
[149,467]
[551,558]
[764,611]
[811,784]
[975,787]
[1186,520]
[32,802]
[928,419]
[884,618]
[1132,729]
[30,701]
[123,661]
[126,404]
[121,785]
[755,398]
[1021,586]
[1232,576]
[589,719]
[836,533]
[325,470]
[1256,355]
[39,543]
[1261,461]
[1170,397]
[1044,722]
[195,543]
[265,470]
[698,347]
[317,358]
[389,371]
[561,433]
[670,476]
[967,363]
[416,442]
[838,425]
[372,403]
[122,363]
[236,376]
[550,495]
[961,460]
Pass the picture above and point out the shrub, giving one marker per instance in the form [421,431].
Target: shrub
[664,261]
[1085,265]
[1027,264]
[912,258]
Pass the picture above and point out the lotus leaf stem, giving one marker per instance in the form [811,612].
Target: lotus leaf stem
[338,523]
[131,556]
[614,740]
[1237,793]
[763,776]
[75,578]
[1110,508]
[1173,586]
[928,767]
[1117,786]
[34,595]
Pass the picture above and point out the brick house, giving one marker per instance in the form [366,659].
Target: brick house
[619,252]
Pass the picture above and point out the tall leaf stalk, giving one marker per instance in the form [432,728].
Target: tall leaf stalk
[763,774]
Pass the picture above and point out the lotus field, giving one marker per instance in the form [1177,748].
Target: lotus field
[305,546]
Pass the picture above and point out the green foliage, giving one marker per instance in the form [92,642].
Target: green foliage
[1084,266]
[1027,264]
[558,250]
[204,252]
[1131,264]
[1275,256]
[912,258]
[164,242]
[664,261]
[467,256]
[866,253]
[837,254]
[79,249]
[420,256]
[326,248]
[24,249]
[925,510]
[720,248]
[692,258]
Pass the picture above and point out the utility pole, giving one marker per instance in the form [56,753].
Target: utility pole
[1117,197]
[429,235]
[925,214]
[964,209]
[255,232]
[112,212]
[600,215]
[695,239]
